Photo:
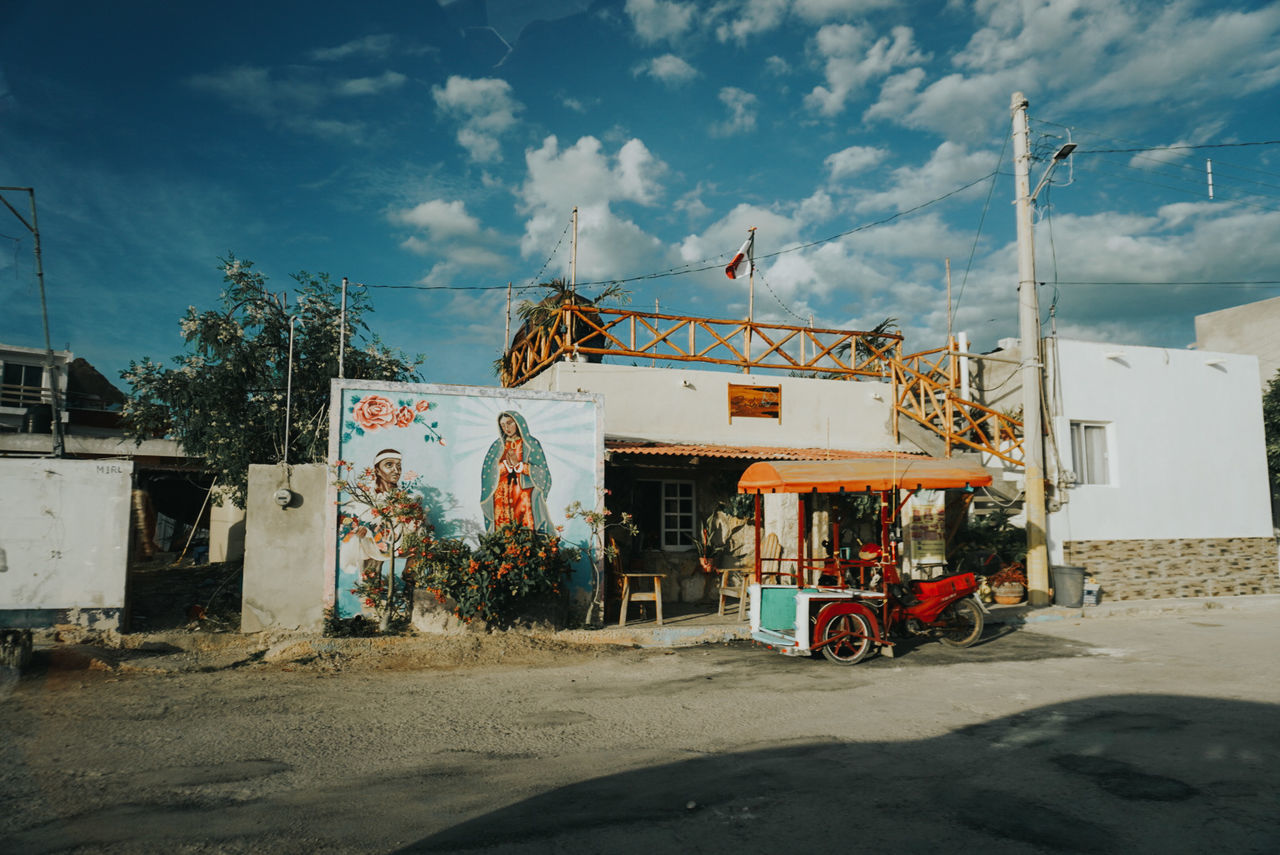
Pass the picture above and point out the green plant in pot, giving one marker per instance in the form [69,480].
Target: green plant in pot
[712,542]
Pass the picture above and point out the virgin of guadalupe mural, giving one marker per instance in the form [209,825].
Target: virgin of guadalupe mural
[362,536]
[515,479]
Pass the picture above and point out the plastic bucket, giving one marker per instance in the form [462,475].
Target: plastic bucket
[1068,586]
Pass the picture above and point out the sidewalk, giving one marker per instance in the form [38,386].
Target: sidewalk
[685,625]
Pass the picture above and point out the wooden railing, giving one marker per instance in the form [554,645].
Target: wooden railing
[925,388]
[925,384]
[587,331]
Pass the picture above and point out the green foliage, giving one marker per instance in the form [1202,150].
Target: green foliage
[225,398]
[1271,424]
[986,543]
[492,582]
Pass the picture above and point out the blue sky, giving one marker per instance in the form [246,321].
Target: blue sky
[443,146]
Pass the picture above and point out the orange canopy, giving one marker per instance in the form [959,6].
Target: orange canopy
[832,476]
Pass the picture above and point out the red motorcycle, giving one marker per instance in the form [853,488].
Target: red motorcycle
[849,608]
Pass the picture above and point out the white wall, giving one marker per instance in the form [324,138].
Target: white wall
[1187,449]
[64,535]
[677,405]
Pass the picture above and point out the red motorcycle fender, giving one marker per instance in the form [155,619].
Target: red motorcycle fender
[831,610]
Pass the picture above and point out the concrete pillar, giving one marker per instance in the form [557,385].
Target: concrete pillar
[284,559]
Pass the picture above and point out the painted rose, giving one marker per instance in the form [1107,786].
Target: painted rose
[374,412]
[423,406]
[405,417]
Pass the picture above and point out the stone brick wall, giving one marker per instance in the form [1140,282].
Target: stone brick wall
[1148,569]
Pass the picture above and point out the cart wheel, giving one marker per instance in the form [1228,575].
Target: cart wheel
[852,636]
[960,623]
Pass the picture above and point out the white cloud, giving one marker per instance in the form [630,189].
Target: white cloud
[291,101]
[742,108]
[658,20]
[668,68]
[750,18]
[851,60]
[451,234]
[372,45]
[852,160]
[370,85]
[484,107]
[950,166]
[586,176]
[777,66]
[817,11]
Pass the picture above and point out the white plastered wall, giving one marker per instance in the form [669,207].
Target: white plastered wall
[1187,452]
[64,539]
[686,406]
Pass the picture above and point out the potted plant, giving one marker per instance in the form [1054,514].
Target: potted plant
[712,542]
[1009,584]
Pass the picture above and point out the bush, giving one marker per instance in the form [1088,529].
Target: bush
[494,581]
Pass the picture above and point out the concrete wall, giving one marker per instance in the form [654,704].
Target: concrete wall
[678,405]
[226,531]
[1253,328]
[64,541]
[284,562]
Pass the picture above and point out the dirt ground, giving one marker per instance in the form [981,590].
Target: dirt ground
[1118,735]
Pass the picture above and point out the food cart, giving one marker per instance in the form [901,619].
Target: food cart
[849,606]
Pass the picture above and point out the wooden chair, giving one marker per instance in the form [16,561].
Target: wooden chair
[630,581]
[770,552]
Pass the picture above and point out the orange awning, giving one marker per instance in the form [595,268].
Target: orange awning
[832,476]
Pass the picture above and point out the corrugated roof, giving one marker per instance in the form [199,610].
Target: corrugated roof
[744,452]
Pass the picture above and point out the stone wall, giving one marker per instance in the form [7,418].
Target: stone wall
[1149,569]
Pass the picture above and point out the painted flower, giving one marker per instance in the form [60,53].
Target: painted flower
[405,417]
[374,412]
[423,406]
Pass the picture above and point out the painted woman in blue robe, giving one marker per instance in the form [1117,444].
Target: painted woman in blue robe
[515,480]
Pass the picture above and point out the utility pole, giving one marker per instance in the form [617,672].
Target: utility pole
[1029,333]
[50,366]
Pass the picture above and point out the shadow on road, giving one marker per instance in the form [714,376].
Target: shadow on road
[1109,774]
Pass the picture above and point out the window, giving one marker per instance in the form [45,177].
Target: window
[664,511]
[1089,456]
[22,385]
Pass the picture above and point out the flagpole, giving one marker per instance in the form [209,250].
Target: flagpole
[751,294]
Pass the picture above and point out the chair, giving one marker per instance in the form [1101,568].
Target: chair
[770,552]
[629,580]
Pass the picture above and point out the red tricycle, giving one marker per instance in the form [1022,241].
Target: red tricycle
[849,607]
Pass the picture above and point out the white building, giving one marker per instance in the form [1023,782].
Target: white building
[1163,460]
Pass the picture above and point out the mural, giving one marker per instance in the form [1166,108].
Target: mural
[467,460]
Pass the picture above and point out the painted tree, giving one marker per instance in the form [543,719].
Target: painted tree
[225,397]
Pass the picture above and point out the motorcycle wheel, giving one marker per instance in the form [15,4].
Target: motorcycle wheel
[960,623]
[856,643]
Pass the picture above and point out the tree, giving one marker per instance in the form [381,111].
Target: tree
[1271,424]
[225,400]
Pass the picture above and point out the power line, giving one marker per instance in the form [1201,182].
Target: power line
[1241,283]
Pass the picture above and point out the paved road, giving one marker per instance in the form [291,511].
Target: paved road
[1121,735]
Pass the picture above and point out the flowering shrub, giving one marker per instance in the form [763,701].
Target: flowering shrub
[396,521]
[492,582]
[1009,575]
[600,523]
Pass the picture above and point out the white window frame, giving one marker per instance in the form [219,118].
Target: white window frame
[1088,441]
[678,515]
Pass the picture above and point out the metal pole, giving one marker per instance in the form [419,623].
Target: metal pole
[51,367]
[342,329]
[1029,332]
[288,394]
